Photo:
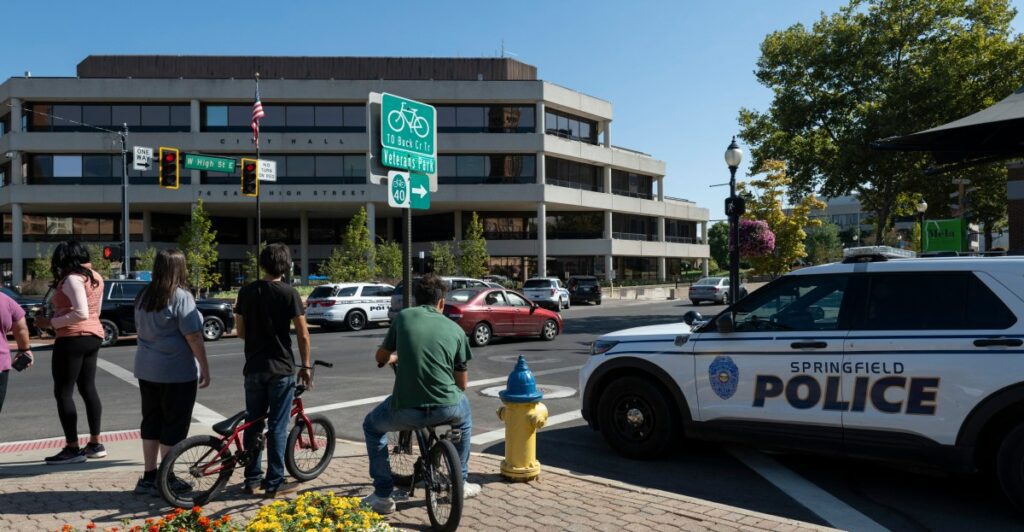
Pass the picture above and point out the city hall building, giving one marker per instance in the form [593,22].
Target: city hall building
[533,159]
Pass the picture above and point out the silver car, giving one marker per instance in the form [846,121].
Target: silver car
[713,289]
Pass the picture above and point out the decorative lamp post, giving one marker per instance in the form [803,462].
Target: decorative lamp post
[922,206]
[734,207]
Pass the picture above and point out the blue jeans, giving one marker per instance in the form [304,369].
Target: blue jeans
[384,419]
[265,392]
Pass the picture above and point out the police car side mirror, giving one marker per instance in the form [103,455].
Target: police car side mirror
[692,317]
[724,323]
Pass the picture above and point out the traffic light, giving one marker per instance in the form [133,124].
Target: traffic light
[169,168]
[112,253]
[250,178]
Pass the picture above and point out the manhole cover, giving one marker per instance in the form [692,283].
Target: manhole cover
[550,391]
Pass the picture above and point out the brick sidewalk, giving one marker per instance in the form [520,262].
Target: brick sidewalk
[36,497]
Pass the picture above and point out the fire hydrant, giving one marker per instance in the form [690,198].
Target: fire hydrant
[523,414]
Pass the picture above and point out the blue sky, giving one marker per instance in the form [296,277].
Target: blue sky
[677,72]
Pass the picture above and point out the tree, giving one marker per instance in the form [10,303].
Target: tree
[444,260]
[873,70]
[718,241]
[100,264]
[389,260]
[39,268]
[987,203]
[250,269]
[144,259]
[823,244]
[764,202]
[353,261]
[198,241]
[474,257]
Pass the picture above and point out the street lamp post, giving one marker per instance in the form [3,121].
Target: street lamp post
[922,206]
[733,157]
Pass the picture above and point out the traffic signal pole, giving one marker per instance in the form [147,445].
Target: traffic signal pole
[126,256]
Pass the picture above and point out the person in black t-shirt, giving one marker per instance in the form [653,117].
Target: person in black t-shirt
[265,311]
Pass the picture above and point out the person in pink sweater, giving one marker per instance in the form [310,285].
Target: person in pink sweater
[77,295]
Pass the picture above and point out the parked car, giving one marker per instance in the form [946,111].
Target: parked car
[713,289]
[584,289]
[454,283]
[547,292]
[915,361]
[351,304]
[31,306]
[117,313]
[488,312]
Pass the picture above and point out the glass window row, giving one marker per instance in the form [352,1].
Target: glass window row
[286,118]
[571,127]
[173,117]
[85,227]
[632,184]
[476,169]
[485,119]
[572,174]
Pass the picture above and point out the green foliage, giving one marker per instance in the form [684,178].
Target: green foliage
[353,261]
[100,265]
[144,259]
[474,256]
[39,268]
[251,265]
[718,241]
[198,241]
[389,261]
[873,70]
[823,244]
[444,259]
[765,202]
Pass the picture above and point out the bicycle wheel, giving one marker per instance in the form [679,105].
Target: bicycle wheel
[396,121]
[194,471]
[302,461]
[421,127]
[444,487]
[401,457]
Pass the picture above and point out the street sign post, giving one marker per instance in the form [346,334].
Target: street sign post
[194,161]
[143,158]
[268,170]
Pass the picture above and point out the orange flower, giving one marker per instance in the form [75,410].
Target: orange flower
[178,511]
[204,521]
[90,526]
[208,529]
[149,521]
[154,528]
[226,518]
[67,528]
[197,510]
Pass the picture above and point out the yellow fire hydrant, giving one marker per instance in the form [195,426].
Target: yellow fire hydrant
[523,414]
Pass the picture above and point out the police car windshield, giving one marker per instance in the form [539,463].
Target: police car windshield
[802,303]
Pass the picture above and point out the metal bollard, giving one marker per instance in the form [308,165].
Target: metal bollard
[523,414]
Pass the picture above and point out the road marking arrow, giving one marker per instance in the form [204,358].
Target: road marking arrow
[420,191]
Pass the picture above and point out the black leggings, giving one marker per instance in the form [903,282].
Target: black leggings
[74,362]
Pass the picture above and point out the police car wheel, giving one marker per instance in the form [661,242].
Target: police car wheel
[1010,466]
[356,320]
[636,418]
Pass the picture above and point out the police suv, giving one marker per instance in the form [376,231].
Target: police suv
[911,360]
[348,304]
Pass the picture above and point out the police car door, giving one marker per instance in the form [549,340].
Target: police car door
[378,299]
[780,364]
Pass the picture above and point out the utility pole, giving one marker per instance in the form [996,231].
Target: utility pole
[126,259]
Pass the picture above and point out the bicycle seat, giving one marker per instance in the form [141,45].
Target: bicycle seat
[226,427]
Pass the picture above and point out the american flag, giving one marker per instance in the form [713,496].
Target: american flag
[257,114]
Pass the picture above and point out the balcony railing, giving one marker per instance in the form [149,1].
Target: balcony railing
[681,239]
[625,192]
[571,184]
[618,235]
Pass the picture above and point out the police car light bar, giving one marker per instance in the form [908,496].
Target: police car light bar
[876,252]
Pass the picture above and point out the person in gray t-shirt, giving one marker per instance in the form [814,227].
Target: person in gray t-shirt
[170,361]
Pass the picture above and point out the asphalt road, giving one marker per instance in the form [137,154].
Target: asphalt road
[894,498]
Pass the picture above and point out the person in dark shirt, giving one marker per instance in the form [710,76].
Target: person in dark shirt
[266,310]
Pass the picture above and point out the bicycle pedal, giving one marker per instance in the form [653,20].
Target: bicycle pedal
[400,495]
[454,436]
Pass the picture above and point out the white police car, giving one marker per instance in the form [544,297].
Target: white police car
[349,304]
[916,360]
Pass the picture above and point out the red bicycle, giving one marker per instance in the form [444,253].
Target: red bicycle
[197,468]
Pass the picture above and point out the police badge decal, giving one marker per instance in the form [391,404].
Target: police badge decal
[724,376]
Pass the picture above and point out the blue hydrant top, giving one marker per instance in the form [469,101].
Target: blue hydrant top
[521,388]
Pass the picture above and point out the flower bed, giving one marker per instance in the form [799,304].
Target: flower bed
[322,512]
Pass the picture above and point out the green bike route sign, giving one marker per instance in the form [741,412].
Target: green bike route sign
[408,191]
[194,161]
[408,134]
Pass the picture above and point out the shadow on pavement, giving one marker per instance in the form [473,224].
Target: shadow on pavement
[606,324]
[698,470]
[38,467]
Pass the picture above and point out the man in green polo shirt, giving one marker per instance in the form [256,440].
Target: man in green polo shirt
[429,385]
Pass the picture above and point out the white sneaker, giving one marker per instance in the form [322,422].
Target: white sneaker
[381,505]
[470,490]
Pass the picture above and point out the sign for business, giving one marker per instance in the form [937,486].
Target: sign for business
[943,235]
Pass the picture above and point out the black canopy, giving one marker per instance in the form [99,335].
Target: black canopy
[989,135]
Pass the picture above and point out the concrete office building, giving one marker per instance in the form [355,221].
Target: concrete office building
[533,159]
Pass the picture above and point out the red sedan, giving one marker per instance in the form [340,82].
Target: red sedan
[488,312]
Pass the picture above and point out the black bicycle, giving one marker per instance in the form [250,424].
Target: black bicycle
[437,469]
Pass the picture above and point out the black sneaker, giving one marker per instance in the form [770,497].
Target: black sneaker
[67,455]
[95,450]
[146,487]
[179,486]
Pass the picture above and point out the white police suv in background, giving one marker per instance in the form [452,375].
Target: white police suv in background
[915,360]
[349,304]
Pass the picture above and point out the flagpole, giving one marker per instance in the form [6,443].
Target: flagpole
[259,219]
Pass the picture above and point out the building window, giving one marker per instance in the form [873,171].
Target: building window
[87,169]
[286,118]
[632,184]
[433,228]
[574,225]
[504,225]
[571,174]
[498,169]
[84,227]
[570,127]
[680,231]
[632,227]
[485,119]
[87,117]
[635,268]
[564,267]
